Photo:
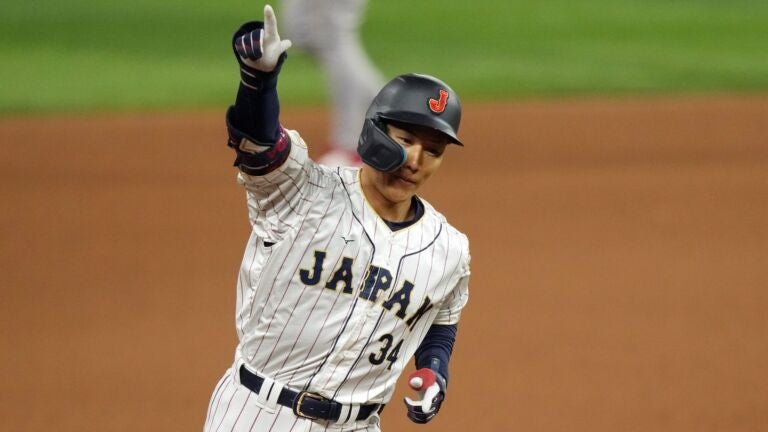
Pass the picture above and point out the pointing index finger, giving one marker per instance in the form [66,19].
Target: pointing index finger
[270,23]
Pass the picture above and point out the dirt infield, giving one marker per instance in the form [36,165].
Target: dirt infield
[620,267]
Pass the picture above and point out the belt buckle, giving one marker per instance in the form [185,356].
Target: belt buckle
[300,401]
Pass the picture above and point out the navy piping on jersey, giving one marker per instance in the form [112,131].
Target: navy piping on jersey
[362,280]
[381,314]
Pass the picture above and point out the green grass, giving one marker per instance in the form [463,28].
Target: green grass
[149,54]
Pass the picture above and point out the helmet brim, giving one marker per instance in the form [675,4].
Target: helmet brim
[418,119]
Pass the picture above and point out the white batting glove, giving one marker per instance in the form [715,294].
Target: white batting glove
[261,48]
[431,388]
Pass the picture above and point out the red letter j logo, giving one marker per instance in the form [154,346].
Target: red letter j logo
[438,106]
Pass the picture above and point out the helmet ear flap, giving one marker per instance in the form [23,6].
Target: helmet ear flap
[377,149]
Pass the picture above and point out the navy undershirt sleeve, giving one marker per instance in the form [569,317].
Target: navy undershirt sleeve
[256,113]
[435,350]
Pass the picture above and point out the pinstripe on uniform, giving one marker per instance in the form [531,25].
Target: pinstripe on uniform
[346,342]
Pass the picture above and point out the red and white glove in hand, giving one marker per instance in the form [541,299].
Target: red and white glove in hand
[431,387]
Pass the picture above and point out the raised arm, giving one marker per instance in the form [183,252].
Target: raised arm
[253,124]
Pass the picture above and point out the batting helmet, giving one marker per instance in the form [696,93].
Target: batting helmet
[414,99]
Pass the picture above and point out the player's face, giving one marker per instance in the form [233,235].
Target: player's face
[424,148]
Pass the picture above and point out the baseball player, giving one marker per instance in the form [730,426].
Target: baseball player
[347,273]
[329,31]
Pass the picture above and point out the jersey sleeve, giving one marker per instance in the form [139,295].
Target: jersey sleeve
[277,201]
[450,312]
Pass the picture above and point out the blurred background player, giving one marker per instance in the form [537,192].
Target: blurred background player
[329,31]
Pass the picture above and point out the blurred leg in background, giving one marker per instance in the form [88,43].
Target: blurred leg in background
[329,31]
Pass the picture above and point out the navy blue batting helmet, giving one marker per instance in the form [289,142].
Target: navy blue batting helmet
[411,99]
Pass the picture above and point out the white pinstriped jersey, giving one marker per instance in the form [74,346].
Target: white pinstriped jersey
[329,299]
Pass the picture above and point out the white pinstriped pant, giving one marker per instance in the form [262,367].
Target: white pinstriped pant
[233,407]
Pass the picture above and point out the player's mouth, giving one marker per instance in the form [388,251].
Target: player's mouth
[405,181]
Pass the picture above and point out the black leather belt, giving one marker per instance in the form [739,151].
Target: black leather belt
[306,404]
